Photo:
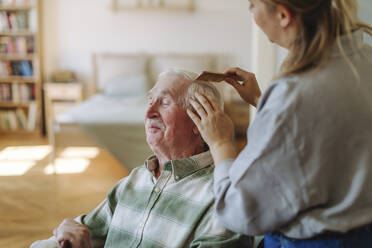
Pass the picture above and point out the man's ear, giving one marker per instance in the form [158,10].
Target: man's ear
[284,16]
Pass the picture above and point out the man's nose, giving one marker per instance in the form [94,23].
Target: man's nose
[152,111]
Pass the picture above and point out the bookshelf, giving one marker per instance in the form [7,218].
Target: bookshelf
[20,72]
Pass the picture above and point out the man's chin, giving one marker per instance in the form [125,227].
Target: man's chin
[153,140]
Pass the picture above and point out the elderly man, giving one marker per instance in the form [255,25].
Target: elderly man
[167,202]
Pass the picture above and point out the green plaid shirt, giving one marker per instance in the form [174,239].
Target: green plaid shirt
[175,210]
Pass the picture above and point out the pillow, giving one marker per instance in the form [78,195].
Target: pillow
[116,65]
[126,86]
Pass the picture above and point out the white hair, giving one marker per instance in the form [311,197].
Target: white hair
[202,87]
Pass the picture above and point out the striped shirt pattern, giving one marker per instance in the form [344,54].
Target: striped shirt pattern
[175,210]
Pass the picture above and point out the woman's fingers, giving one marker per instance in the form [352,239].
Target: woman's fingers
[234,70]
[232,82]
[236,73]
[241,74]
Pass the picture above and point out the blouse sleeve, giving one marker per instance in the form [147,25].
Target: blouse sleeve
[261,189]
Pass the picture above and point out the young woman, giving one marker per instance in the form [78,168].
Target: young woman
[305,177]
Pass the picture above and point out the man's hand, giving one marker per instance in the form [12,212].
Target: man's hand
[249,89]
[215,127]
[70,231]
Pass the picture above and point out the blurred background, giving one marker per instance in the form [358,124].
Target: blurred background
[73,79]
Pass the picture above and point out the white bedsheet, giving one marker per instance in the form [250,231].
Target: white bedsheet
[115,123]
[103,109]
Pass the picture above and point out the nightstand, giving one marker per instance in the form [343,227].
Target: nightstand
[58,98]
[61,97]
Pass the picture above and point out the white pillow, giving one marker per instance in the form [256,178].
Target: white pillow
[126,86]
[115,65]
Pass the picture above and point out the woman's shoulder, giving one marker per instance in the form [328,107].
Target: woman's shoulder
[281,92]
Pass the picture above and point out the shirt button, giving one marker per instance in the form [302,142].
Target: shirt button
[157,190]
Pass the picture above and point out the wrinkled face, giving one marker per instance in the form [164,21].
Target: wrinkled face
[265,19]
[167,123]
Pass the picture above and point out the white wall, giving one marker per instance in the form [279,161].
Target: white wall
[74,29]
[365,14]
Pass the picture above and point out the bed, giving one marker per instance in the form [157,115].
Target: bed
[113,117]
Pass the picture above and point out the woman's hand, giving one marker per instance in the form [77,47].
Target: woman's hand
[249,89]
[215,127]
[75,233]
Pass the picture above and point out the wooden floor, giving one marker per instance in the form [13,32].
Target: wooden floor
[34,200]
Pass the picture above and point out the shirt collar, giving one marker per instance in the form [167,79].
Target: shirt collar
[182,167]
[350,43]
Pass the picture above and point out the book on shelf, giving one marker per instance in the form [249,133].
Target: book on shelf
[16,45]
[15,2]
[17,92]
[16,96]
[25,68]
[13,123]
[4,24]
[17,120]
[32,116]
[11,20]
[22,119]
[21,68]
[5,92]
[8,120]
[16,68]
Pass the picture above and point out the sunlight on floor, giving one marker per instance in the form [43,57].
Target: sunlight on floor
[81,152]
[25,152]
[72,160]
[15,168]
[17,160]
[67,166]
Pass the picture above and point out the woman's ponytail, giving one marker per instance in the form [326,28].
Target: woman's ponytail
[322,23]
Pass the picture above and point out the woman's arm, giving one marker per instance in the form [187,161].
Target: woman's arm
[262,188]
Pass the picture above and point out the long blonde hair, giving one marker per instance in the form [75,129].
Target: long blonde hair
[322,23]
